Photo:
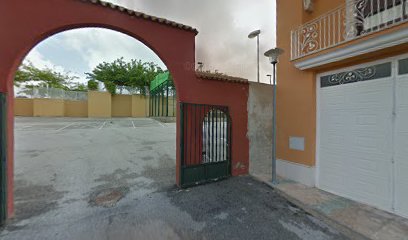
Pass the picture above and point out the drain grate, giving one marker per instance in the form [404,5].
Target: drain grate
[107,197]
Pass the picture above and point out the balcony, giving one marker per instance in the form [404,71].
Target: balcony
[352,20]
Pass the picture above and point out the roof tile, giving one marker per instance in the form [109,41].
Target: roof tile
[220,77]
[143,15]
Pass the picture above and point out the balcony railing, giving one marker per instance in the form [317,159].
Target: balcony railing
[354,19]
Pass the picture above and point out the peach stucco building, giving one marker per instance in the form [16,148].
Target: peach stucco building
[342,98]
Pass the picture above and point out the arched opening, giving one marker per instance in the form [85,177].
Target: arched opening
[75,152]
[37,21]
[155,34]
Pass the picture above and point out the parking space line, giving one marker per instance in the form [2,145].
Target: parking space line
[69,125]
[161,124]
[103,125]
[133,124]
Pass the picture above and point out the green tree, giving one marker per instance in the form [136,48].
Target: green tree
[93,85]
[133,74]
[79,87]
[47,77]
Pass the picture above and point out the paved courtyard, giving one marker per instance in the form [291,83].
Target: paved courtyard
[114,179]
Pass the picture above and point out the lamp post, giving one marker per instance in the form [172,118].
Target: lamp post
[253,35]
[273,56]
[270,78]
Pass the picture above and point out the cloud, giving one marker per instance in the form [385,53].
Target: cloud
[81,50]
[97,45]
[39,61]
[222,43]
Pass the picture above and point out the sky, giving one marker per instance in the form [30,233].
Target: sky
[222,43]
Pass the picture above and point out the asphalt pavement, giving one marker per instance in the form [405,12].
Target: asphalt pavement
[114,179]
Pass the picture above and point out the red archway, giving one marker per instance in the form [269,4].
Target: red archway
[26,23]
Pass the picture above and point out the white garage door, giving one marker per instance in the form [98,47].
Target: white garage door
[363,144]
[401,140]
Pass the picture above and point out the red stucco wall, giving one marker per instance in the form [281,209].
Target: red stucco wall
[23,24]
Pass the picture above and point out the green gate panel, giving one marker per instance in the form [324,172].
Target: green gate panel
[3,158]
[217,170]
[204,173]
[193,175]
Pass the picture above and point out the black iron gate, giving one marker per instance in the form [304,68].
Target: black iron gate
[3,155]
[205,143]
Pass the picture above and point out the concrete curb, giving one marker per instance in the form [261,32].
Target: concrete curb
[329,221]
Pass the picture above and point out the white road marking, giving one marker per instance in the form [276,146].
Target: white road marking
[69,125]
[161,124]
[103,125]
[133,124]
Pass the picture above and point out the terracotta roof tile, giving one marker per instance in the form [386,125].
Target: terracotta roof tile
[143,15]
[220,77]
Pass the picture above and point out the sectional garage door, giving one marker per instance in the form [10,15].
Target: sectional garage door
[363,134]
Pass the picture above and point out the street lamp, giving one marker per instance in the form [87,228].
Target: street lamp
[253,35]
[273,56]
[270,78]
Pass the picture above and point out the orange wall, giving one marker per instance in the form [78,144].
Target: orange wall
[99,104]
[48,107]
[121,105]
[23,107]
[296,114]
[76,108]
[140,106]
[320,7]
[296,108]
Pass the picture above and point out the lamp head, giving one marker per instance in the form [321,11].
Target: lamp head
[273,54]
[254,34]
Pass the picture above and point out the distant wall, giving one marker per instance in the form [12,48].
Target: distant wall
[260,128]
[76,108]
[140,106]
[23,107]
[48,107]
[121,106]
[99,105]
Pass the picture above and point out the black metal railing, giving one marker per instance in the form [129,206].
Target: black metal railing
[163,100]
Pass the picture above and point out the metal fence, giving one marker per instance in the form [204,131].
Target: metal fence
[354,19]
[163,100]
[51,93]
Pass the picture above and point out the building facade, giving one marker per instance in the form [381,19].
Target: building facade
[342,98]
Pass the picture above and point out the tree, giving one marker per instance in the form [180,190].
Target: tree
[28,73]
[93,85]
[79,87]
[133,74]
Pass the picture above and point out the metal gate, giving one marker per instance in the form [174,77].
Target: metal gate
[205,143]
[3,155]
